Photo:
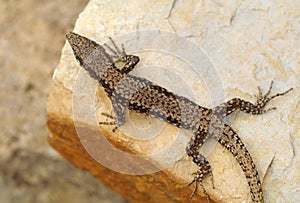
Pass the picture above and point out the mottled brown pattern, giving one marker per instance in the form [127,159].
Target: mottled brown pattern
[231,141]
[141,95]
[90,55]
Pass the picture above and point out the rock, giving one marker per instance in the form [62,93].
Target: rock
[243,45]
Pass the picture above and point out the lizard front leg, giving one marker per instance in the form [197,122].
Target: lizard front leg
[247,107]
[204,167]
[119,118]
[130,62]
[231,141]
[121,56]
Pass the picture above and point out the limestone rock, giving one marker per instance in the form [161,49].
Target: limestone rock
[219,51]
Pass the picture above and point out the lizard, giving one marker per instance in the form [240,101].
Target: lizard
[143,96]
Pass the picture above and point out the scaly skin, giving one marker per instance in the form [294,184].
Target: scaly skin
[142,96]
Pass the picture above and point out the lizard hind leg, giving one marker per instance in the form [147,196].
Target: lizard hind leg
[204,167]
[257,108]
[262,100]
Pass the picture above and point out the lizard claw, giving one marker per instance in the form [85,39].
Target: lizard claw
[117,53]
[269,109]
[262,100]
[198,179]
[110,122]
[195,188]
[107,115]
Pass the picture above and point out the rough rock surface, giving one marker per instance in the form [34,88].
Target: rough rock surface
[248,43]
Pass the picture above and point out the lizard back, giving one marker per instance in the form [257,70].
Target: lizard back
[142,96]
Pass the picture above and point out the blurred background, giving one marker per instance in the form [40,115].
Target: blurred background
[32,35]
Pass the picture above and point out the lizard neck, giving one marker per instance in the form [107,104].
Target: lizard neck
[110,79]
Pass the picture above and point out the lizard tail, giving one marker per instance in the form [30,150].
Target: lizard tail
[231,141]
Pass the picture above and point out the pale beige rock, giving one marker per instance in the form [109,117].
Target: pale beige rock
[249,44]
